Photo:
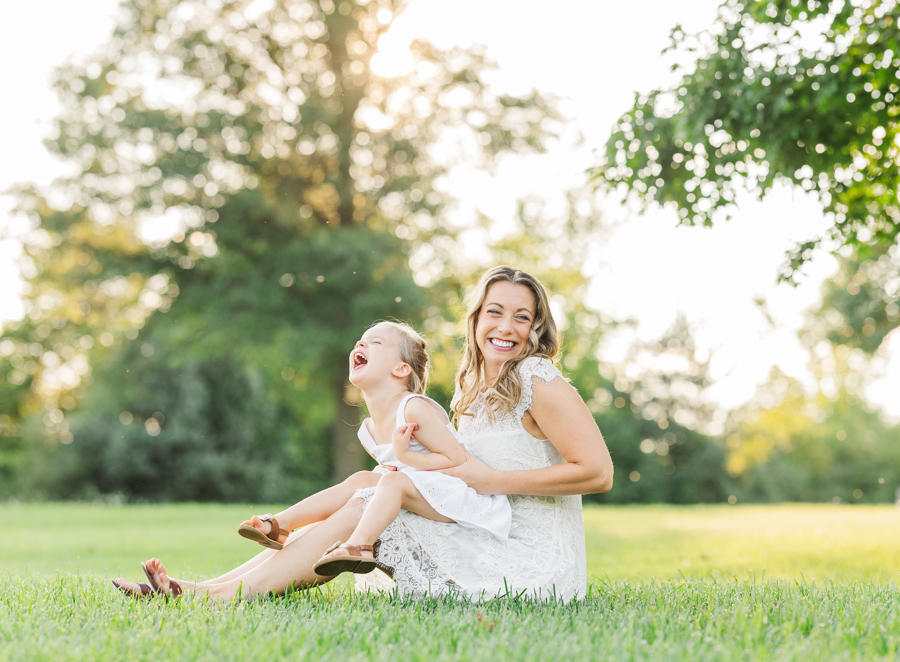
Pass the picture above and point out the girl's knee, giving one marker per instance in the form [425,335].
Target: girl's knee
[362,479]
[394,480]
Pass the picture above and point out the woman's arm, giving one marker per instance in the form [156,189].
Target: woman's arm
[559,415]
[430,431]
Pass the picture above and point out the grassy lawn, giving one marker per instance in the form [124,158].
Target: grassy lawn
[796,582]
[623,542]
[796,541]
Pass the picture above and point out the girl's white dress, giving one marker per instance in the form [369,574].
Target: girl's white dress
[450,496]
[544,555]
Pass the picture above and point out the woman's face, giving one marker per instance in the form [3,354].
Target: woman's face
[503,324]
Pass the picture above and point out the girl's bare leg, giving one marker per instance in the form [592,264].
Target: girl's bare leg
[395,492]
[276,571]
[319,506]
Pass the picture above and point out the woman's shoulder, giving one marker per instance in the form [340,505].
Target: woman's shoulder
[531,370]
[538,367]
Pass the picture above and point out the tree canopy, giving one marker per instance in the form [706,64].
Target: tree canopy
[803,92]
[245,190]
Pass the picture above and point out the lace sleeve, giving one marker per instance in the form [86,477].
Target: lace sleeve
[531,369]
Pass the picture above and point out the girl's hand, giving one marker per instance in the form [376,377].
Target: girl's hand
[474,473]
[402,436]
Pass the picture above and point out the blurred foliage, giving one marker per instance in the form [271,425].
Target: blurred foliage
[657,423]
[820,440]
[221,439]
[802,92]
[247,197]
[859,306]
[789,445]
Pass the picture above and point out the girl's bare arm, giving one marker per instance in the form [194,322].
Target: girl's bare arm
[429,428]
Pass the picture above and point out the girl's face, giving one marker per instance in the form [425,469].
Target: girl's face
[375,355]
[503,324]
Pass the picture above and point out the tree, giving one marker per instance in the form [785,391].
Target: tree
[245,187]
[658,424]
[801,92]
[859,306]
[791,445]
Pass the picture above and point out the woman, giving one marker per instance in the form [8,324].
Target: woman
[529,436]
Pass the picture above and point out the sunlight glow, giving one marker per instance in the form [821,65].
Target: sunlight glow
[393,57]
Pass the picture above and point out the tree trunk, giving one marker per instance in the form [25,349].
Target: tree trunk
[347,453]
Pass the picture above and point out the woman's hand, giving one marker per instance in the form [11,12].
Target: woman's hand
[474,473]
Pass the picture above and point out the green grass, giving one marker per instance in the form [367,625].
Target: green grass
[624,542]
[796,541]
[671,583]
[77,618]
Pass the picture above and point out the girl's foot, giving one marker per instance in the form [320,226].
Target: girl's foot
[338,558]
[349,549]
[265,528]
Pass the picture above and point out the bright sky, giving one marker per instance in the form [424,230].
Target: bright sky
[593,54]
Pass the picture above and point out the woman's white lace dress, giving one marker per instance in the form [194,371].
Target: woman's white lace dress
[544,555]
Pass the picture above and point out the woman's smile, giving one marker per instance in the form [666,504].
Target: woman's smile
[504,324]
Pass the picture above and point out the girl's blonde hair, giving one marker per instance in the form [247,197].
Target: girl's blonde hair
[413,352]
[543,341]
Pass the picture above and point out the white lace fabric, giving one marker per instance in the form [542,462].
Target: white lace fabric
[544,555]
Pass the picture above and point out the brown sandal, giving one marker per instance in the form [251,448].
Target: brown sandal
[174,591]
[269,539]
[146,591]
[354,561]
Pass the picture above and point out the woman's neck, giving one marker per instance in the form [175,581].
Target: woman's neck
[382,404]
[489,376]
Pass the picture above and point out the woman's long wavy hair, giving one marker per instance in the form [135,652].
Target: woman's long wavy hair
[543,341]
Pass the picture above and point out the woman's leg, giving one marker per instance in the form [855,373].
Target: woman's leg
[153,564]
[395,492]
[319,506]
[277,571]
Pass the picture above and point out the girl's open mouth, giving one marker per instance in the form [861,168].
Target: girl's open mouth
[359,360]
[502,344]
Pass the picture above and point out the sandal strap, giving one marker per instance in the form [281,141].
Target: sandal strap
[174,589]
[146,591]
[352,550]
[274,531]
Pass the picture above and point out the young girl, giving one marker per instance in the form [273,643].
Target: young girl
[389,365]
